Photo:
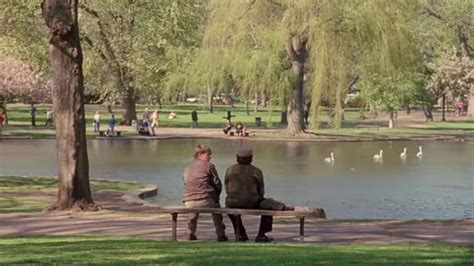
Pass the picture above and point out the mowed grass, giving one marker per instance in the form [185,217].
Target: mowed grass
[65,250]
[24,194]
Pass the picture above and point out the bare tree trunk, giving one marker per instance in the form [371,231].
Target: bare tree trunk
[255,108]
[264,99]
[296,48]
[428,113]
[129,104]
[470,110]
[443,117]
[391,123]
[68,101]
[210,95]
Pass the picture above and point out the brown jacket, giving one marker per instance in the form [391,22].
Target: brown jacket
[244,186]
[201,181]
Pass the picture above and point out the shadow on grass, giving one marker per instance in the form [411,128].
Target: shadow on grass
[100,250]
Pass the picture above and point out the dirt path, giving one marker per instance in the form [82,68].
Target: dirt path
[124,218]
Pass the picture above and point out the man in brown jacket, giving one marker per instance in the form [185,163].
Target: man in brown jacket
[245,189]
[202,188]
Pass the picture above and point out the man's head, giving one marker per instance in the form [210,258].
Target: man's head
[203,153]
[244,155]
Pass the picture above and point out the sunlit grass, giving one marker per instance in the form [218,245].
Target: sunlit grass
[113,250]
[17,193]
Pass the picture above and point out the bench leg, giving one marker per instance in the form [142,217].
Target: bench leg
[302,229]
[174,225]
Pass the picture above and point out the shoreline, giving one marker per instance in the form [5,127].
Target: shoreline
[275,135]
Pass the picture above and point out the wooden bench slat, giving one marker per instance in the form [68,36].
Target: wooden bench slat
[258,212]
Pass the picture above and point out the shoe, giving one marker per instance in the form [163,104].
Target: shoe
[317,212]
[263,239]
[241,238]
[191,237]
[222,239]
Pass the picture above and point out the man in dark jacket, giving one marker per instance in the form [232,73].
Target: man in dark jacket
[202,188]
[245,189]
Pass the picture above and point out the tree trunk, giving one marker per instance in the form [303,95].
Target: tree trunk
[255,108]
[210,94]
[428,113]
[443,117]
[390,120]
[68,101]
[470,107]
[129,105]
[264,99]
[296,49]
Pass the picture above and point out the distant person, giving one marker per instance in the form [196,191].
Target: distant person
[245,189]
[49,118]
[146,116]
[112,123]
[202,188]
[194,117]
[33,113]
[239,129]
[155,118]
[172,115]
[227,127]
[96,121]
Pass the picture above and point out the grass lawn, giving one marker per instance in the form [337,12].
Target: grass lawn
[113,250]
[14,191]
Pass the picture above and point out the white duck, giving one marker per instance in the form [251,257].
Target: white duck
[378,157]
[403,155]
[329,160]
[420,153]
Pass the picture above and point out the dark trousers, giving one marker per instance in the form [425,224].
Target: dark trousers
[266,225]
[266,222]
[33,120]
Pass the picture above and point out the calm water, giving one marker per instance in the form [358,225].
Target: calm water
[440,186]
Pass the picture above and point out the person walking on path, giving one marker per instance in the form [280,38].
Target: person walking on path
[202,188]
[97,121]
[155,118]
[49,118]
[194,117]
[33,113]
[245,189]
[112,122]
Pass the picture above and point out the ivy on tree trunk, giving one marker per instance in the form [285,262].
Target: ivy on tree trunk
[68,101]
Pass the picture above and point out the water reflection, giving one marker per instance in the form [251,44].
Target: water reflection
[439,186]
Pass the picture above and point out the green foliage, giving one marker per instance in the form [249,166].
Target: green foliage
[112,250]
[23,34]
[135,44]
[391,92]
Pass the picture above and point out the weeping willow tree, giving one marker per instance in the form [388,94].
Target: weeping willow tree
[358,38]
[241,53]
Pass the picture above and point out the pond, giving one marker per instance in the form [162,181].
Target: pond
[438,186]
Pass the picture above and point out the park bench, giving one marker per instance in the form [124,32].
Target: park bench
[298,213]
[104,133]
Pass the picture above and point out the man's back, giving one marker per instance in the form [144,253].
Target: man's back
[201,181]
[244,186]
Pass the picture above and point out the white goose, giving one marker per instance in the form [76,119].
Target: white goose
[403,155]
[329,160]
[378,157]
[420,153]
